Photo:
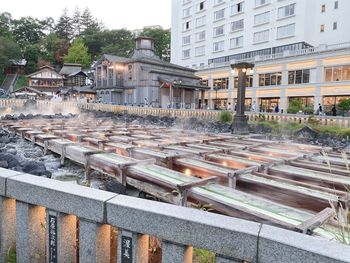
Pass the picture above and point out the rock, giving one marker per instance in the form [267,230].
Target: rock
[36,168]
[4,164]
[306,132]
[11,159]
[115,187]
[12,151]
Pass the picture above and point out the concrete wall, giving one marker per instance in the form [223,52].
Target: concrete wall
[46,214]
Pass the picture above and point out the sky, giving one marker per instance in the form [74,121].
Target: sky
[115,14]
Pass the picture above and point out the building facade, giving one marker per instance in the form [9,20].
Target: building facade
[209,35]
[46,80]
[144,79]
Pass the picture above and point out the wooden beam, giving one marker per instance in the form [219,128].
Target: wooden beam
[201,182]
[309,225]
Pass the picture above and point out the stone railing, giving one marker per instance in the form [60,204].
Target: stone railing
[52,221]
[210,115]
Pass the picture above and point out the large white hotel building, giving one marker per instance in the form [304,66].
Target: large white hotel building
[300,48]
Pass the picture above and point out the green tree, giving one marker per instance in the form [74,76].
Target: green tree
[5,25]
[56,46]
[161,41]
[120,42]
[78,53]
[64,26]
[33,53]
[76,22]
[8,50]
[344,105]
[27,30]
[88,22]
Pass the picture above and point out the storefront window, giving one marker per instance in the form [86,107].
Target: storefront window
[339,73]
[269,104]
[270,79]
[329,101]
[221,83]
[307,101]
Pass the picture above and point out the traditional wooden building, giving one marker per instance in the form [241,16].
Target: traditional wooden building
[46,80]
[73,75]
[144,79]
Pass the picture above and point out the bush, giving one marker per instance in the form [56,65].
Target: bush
[225,116]
[21,81]
[296,106]
[344,105]
[203,256]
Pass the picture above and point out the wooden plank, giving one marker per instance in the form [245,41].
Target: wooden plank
[309,225]
[199,182]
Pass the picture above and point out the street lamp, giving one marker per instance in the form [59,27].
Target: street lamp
[240,120]
[216,88]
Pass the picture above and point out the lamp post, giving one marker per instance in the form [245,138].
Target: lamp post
[240,120]
[216,88]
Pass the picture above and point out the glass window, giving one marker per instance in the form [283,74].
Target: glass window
[286,31]
[267,79]
[291,77]
[298,76]
[328,74]
[218,31]
[337,73]
[261,80]
[274,79]
[236,42]
[237,25]
[262,18]
[261,36]
[306,76]
[279,78]
[346,73]
[219,14]
[237,8]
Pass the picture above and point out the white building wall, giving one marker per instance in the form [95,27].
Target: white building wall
[307,18]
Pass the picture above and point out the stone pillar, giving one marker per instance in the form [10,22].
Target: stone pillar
[210,92]
[194,95]
[202,99]
[94,242]
[183,99]
[283,97]
[30,233]
[318,89]
[175,253]
[171,92]
[240,120]
[133,246]
[231,86]
[255,97]
[7,226]
[61,236]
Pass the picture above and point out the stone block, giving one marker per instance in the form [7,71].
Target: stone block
[174,253]
[7,226]
[282,246]
[59,196]
[4,174]
[225,235]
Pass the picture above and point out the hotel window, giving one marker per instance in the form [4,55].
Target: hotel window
[237,25]
[186,53]
[335,25]
[270,79]
[237,8]
[261,2]
[261,36]
[219,14]
[218,31]
[336,4]
[186,40]
[262,18]
[199,51]
[249,82]
[186,12]
[187,25]
[219,46]
[236,42]
[216,2]
[286,31]
[323,8]
[200,21]
[221,83]
[339,73]
[200,36]
[299,76]
[201,6]
[322,28]
[286,11]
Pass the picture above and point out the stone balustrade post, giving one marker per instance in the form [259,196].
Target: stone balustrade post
[30,233]
[94,242]
[61,236]
[133,247]
[176,253]
[7,227]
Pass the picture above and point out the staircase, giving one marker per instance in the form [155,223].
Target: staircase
[8,82]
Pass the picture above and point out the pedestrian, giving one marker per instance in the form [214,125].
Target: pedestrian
[146,102]
[253,107]
[320,111]
[334,110]
[277,109]
[229,106]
